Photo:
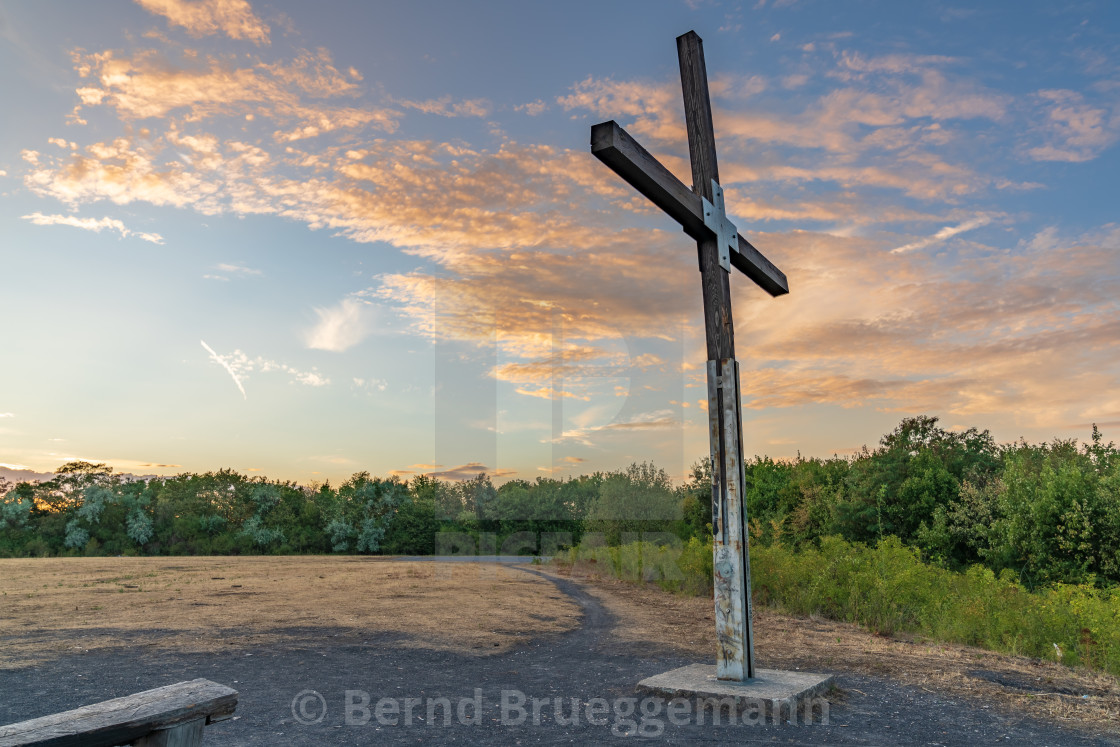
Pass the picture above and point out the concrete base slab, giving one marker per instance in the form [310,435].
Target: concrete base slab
[766,687]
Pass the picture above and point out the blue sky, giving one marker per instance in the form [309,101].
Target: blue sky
[303,240]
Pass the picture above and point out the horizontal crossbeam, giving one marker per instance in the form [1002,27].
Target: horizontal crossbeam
[613,146]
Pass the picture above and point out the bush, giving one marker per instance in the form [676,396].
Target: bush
[887,589]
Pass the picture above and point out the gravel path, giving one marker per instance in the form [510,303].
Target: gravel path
[282,689]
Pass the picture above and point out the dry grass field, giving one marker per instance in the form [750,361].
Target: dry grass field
[58,606]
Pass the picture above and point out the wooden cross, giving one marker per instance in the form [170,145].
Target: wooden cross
[719,246]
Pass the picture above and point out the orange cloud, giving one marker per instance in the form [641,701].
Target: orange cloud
[984,333]
[890,113]
[575,278]
[587,430]
[1074,129]
[469,471]
[148,85]
[444,106]
[234,18]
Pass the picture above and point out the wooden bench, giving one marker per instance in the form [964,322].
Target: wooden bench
[170,716]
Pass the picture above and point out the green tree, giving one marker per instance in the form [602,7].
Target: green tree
[696,502]
[414,528]
[364,513]
[1056,519]
[917,467]
[261,527]
[634,503]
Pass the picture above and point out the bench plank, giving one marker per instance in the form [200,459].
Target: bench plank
[124,720]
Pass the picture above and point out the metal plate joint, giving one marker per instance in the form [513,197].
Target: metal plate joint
[715,218]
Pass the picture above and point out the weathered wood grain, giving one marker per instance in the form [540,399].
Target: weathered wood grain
[698,113]
[762,271]
[125,720]
[718,322]
[612,145]
[617,149]
[734,660]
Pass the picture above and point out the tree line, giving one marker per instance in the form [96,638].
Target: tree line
[1040,513]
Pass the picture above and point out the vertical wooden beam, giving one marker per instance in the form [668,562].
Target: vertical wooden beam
[729,558]
[744,534]
[718,325]
[698,113]
[735,658]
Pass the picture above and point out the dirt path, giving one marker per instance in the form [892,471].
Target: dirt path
[584,664]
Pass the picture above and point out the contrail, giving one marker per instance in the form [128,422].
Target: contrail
[945,233]
[221,361]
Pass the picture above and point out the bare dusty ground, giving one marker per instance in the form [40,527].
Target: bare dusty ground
[53,607]
[1041,689]
[78,631]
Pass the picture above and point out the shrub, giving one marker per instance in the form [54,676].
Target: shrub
[887,588]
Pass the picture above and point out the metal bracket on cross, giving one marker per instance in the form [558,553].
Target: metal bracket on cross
[715,218]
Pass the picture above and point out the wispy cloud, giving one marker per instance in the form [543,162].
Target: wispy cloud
[229,369]
[1075,129]
[97,225]
[445,106]
[888,127]
[238,269]
[340,327]
[239,365]
[294,94]
[895,64]
[987,334]
[520,238]
[512,261]
[307,378]
[234,18]
[584,431]
[460,473]
[232,269]
[532,108]
[469,471]
[565,464]
[370,384]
